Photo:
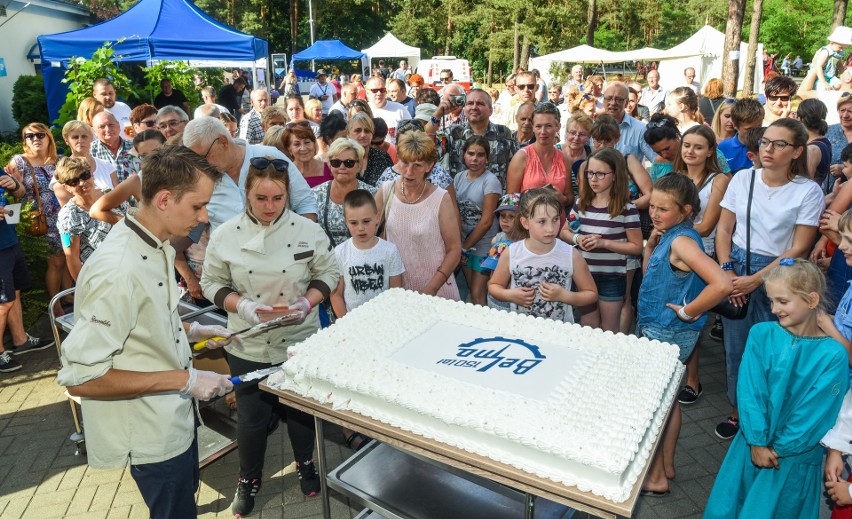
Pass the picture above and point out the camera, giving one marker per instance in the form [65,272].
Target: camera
[458,100]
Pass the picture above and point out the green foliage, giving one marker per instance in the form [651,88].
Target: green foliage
[794,27]
[29,102]
[8,149]
[83,73]
[181,76]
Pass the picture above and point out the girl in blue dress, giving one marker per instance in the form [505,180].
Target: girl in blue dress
[791,384]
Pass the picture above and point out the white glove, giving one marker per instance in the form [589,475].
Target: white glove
[247,310]
[205,385]
[199,332]
[303,306]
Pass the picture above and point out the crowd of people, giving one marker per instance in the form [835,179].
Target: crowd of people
[630,208]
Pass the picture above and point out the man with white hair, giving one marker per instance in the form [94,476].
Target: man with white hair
[689,80]
[632,131]
[348,93]
[654,95]
[392,113]
[171,120]
[209,138]
[251,129]
[576,79]
[208,95]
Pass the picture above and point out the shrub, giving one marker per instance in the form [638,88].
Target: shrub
[29,102]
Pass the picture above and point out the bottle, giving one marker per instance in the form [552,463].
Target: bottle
[3,200]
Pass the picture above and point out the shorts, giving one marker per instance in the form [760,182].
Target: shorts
[13,273]
[684,339]
[474,263]
[634,262]
[610,287]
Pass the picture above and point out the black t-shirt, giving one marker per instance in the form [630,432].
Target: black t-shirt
[176,99]
[230,98]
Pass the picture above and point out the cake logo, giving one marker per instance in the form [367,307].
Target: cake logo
[484,354]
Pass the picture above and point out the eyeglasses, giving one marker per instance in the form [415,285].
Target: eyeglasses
[577,135]
[35,135]
[771,97]
[617,99]
[775,145]
[74,182]
[349,163]
[600,175]
[149,124]
[170,124]
[263,163]
[377,90]
[210,148]
[446,79]
[530,86]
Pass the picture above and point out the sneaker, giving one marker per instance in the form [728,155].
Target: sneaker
[8,364]
[688,395]
[244,499]
[716,332]
[728,429]
[308,478]
[31,344]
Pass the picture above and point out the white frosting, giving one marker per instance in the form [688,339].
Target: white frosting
[592,427]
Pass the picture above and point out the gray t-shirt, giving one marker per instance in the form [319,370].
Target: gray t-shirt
[471,198]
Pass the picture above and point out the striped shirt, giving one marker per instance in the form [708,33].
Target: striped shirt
[596,220]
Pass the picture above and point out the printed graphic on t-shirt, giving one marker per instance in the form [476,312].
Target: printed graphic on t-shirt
[367,278]
[470,214]
[531,277]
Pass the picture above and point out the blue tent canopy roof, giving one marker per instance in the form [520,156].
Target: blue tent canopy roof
[327,50]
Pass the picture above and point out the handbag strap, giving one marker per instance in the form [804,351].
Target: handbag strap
[748,221]
[35,182]
[325,213]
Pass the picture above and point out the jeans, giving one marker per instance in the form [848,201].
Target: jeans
[168,487]
[736,331]
[255,409]
[684,338]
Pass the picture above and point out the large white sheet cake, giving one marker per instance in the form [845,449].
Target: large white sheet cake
[572,404]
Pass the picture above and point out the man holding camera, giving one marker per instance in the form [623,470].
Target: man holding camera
[476,110]
[390,112]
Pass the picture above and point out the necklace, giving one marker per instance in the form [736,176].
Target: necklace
[405,197]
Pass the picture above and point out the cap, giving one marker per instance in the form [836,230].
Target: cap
[321,72]
[841,35]
[508,202]
[490,261]
[424,111]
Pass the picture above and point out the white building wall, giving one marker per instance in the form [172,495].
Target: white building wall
[19,34]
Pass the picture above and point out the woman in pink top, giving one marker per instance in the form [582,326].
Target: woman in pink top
[541,164]
[421,220]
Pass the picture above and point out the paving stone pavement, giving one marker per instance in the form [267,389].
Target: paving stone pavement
[42,478]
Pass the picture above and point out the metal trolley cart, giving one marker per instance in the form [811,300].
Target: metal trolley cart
[217,435]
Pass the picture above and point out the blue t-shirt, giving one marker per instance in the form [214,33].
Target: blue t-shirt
[843,316]
[736,153]
[8,235]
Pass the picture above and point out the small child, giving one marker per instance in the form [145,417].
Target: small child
[535,272]
[792,382]
[825,60]
[745,115]
[506,212]
[368,264]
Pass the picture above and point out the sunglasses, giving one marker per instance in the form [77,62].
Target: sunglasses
[74,182]
[292,124]
[377,90]
[349,163]
[36,135]
[778,98]
[263,163]
[526,87]
[446,79]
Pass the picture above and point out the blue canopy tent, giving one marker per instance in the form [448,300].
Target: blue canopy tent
[153,30]
[330,50]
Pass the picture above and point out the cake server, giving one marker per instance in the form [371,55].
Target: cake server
[255,375]
[251,331]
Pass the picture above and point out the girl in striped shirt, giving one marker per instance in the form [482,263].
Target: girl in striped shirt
[604,225]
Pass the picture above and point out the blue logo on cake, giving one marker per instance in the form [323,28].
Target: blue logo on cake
[497,352]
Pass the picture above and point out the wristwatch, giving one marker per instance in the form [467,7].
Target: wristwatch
[728,265]
[434,120]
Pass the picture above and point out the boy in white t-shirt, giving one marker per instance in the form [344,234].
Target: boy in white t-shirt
[369,265]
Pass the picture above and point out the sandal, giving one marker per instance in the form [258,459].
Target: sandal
[356,441]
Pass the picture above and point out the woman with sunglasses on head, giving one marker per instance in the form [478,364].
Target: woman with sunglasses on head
[361,128]
[541,164]
[344,163]
[80,233]
[33,170]
[779,219]
[265,258]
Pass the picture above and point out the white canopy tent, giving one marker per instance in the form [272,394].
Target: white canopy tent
[702,51]
[391,47]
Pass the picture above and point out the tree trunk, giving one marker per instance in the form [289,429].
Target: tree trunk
[447,50]
[838,16]
[592,19]
[731,58]
[294,25]
[525,53]
[515,45]
[751,59]
[488,74]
